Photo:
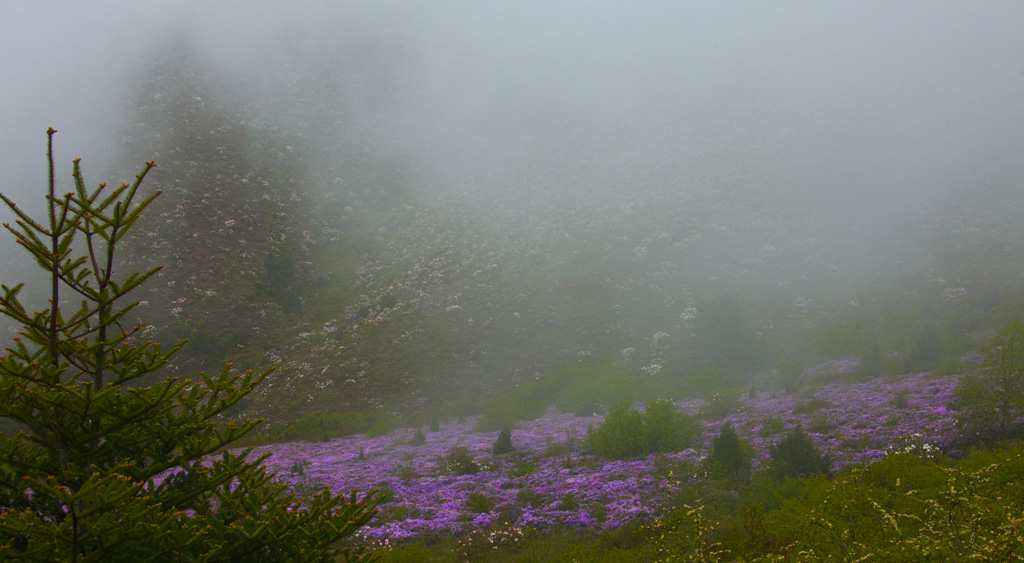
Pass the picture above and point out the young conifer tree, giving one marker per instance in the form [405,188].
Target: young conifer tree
[106,468]
[730,456]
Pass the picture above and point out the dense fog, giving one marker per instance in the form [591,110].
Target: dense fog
[639,163]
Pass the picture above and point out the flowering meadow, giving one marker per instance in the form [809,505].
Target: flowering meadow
[550,481]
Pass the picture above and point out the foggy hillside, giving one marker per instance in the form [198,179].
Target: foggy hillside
[404,205]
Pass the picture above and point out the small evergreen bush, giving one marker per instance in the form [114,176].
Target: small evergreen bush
[796,456]
[503,444]
[418,439]
[730,456]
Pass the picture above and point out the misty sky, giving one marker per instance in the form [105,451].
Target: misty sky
[865,107]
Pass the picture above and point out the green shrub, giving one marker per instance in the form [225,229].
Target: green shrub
[307,488]
[873,362]
[767,493]
[307,427]
[674,468]
[209,343]
[407,472]
[627,433]
[796,456]
[730,457]
[503,444]
[668,429]
[529,497]
[525,467]
[900,401]
[458,462]
[479,503]
[622,435]
[418,439]
[690,531]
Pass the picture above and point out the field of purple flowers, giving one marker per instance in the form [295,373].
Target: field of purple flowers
[551,481]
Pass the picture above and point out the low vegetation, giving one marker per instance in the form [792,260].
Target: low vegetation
[627,433]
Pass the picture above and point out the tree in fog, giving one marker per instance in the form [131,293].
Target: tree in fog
[106,469]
